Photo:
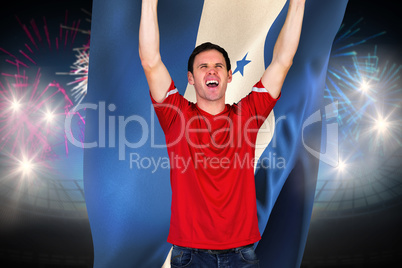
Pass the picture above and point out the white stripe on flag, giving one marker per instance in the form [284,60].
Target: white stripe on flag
[241,28]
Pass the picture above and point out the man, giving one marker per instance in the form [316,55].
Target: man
[211,144]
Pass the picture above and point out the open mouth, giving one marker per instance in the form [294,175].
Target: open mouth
[212,83]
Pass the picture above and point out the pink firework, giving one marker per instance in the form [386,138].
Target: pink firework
[31,119]
[32,109]
[41,37]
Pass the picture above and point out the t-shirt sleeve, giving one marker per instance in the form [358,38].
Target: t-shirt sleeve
[258,103]
[171,109]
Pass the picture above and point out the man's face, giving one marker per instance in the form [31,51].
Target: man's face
[210,76]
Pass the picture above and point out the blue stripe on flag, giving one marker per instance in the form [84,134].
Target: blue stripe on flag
[129,208]
[285,195]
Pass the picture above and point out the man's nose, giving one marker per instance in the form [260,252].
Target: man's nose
[212,70]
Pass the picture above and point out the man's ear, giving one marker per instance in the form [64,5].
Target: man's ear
[190,78]
[230,76]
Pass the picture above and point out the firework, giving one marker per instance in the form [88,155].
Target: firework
[32,117]
[369,98]
[34,149]
[79,67]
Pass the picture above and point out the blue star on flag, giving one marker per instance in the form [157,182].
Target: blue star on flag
[241,64]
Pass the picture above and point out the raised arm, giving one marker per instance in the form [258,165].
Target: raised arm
[285,49]
[156,73]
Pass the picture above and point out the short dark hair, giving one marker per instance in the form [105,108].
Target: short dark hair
[205,47]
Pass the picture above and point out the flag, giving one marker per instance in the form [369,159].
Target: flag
[126,168]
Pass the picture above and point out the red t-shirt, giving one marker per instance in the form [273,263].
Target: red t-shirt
[212,169]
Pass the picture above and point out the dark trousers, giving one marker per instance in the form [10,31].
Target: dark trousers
[243,257]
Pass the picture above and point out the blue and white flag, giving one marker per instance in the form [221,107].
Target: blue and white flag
[126,167]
